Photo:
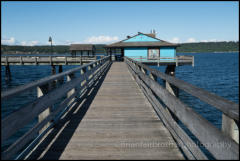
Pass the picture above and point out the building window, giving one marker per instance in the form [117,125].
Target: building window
[153,53]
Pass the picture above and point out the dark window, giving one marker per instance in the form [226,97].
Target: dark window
[153,53]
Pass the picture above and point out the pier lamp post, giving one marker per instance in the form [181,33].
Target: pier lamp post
[50,40]
[53,66]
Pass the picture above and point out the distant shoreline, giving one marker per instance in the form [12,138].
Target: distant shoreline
[27,53]
[202,47]
[211,52]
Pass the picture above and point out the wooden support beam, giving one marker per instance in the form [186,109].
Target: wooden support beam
[230,128]
[7,72]
[21,60]
[42,90]
[170,70]
[60,69]
[122,54]
[153,76]
[83,71]
[53,69]
[69,78]
[6,60]
[143,70]
[35,60]
[110,54]
[50,60]
[61,80]
[65,60]
[193,61]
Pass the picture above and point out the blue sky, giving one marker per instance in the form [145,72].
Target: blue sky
[31,23]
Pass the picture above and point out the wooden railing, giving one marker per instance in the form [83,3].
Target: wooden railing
[178,60]
[46,60]
[171,110]
[73,89]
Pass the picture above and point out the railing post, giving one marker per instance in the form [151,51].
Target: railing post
[90,68]
[79,60]
[153,76]
[60,69]
[35,60]
[53,70]
[144,70]
[6,60]
[7,72]
[42,90]
[230,128]
[65,60]
[193,61]
[170,70]
[69,78]
[176,61]
[83,71]
[50,60]
[21,60]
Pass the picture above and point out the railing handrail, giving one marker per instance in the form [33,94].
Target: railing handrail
[231,109]
[203,130]
[11,92]
[188,57]
[76,88]
[9,55]
[48,55]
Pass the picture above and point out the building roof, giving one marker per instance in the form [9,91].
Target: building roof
[81,47]
[142,44]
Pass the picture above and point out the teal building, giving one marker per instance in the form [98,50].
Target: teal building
[143,47]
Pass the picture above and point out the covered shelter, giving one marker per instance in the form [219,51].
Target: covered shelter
[82,49]
[143,45]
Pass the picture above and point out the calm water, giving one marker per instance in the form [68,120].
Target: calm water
[216,73]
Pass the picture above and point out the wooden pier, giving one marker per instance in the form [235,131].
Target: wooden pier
[117,110]
[165,61]
[46,60]
[53,60]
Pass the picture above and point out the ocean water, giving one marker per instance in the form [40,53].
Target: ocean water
[215,72]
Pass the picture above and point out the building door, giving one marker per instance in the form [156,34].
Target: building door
[153,53]
[122,54]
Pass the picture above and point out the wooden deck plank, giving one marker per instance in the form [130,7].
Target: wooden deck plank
[119,124]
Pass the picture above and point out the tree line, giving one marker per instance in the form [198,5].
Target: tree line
[184,47]
[203,47]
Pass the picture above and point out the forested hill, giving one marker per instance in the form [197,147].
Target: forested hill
[57,49]
[185,47]
[203,47]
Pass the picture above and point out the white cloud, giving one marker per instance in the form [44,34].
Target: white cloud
[13,41]
[23,43]
[67,42]
[191,40]
[32,43]
[211,40]
[175,40]
[101,39]
[204,41]
[29,43]
[10,41]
